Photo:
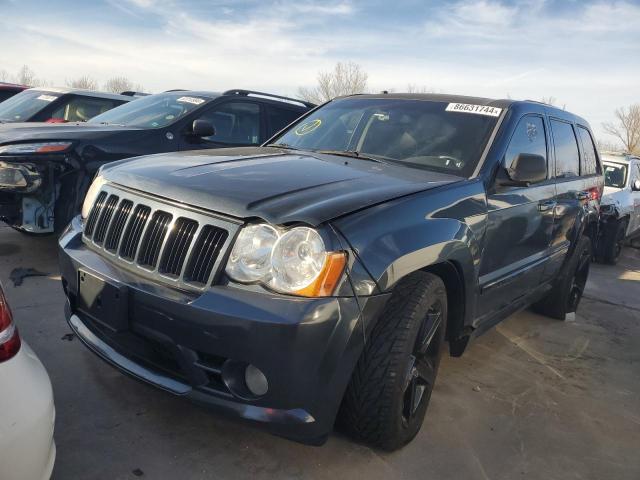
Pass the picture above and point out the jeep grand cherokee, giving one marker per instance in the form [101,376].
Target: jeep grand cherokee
[321,274]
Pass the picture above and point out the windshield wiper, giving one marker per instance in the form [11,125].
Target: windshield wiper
[351,154]
[282,145]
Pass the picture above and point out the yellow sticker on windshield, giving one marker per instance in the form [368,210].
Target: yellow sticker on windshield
[308,127]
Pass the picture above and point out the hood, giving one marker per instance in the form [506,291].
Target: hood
[611,195]
[27,132]
[279,186]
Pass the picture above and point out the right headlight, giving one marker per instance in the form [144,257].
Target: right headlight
[92,194]
[291,261]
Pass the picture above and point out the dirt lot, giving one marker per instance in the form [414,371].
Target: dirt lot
[533,398]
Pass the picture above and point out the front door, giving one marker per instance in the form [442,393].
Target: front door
[520,222]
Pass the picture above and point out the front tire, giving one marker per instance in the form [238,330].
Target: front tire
[567,291]
[391,386]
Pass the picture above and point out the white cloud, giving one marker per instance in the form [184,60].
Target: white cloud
[585,58]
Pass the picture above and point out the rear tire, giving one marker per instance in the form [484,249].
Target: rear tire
[612,242]
[567,290]
[391,386]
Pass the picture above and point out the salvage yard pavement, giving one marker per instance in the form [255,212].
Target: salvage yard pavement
[532,398]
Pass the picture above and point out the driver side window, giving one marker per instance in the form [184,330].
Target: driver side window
[529,137]
[236,123]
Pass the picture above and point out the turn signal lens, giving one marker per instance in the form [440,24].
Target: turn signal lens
[9,338]
[327,281]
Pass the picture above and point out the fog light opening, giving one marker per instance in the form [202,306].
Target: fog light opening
[255,380]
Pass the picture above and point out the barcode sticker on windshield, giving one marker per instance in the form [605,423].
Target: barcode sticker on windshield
[194,100]
[477,109]
[47,98]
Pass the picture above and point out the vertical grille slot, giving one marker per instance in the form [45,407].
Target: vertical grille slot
[134,231]
[153,238]
[105,219]
[117,226]
[205,254]
[178,244]
[95,213]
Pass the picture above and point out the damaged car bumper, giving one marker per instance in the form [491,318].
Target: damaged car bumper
[276,360]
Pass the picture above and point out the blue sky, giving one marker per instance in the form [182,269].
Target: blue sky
[583,53]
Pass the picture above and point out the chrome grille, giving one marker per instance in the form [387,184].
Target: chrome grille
[176,244]
[153,238]
[134,232]
[95,213]
[206,251]
[105,219]
[117,225]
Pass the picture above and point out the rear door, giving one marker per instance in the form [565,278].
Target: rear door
[573,192]
[519,226]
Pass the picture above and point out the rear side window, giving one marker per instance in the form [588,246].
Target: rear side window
[236,123]
[279,118]
[529,137]
[81,109]
[589,164]
[566,149]
[4,94]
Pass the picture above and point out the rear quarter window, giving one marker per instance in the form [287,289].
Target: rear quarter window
[589,164]
[566,149]
[278,118]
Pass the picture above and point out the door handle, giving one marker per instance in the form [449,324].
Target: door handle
[583,195]
[546,205]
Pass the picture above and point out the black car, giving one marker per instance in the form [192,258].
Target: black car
[8,90]
[58,105]
[45,170]
[319,275]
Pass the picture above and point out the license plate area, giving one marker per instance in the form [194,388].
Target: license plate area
[104,302]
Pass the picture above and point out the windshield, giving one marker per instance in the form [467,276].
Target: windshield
[154,111]
[615,175]
[24,105]
[422,134]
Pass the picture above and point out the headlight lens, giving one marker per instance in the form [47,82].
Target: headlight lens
[250,259]
[290,261]
[92,193]
[297,260]
[44,147]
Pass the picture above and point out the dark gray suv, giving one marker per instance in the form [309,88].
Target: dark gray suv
[318,277]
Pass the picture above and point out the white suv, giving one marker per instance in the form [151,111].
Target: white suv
[620,206]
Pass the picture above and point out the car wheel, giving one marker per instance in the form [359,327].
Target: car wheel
[391,386]
[613,242]
[568,289]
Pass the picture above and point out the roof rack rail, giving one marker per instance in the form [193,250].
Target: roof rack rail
[176,90]
[131,93]
[239,91]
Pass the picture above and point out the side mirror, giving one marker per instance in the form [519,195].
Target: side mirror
[202,128]
[635,186]
[526,169]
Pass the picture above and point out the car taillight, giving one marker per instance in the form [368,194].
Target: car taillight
[594,193]
[9,338]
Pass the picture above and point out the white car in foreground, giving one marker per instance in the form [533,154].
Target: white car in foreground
[620,204]
[27,413]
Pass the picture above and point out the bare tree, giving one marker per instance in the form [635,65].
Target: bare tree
[345,79]
[550,100]
[607,146]
[26,76]
[413,88]
[121,84]
[84,82]
[626,128]
[4,76]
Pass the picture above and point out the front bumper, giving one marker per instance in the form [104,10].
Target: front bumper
[192,344]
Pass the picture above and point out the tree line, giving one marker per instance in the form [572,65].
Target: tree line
[26,76]
[348,78]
